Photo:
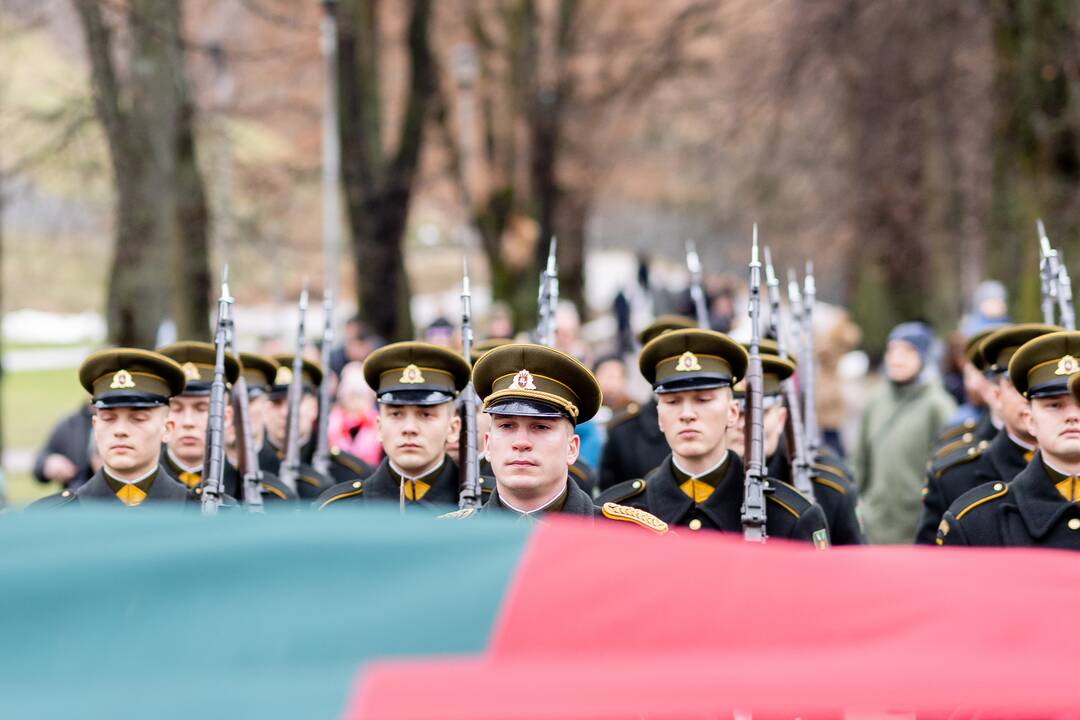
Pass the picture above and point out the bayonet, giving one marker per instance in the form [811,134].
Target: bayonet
[697,291]
[469,495]
[290,465]
[753,505]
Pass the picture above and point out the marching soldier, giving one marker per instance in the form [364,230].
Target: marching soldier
[416,384]
[700,483]
[182,457]
[1039,507]
[535,396]
[130,390]
[834,492]
[975,430]
[344,466]
[635,445]
[999,460]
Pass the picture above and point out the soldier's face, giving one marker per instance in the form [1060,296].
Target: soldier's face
[128,440]
[1055,424]
[414,437]
[189,416]
[277,416]
[1012,407]
[773,421]
[530,456]
[695,423]
[255,415]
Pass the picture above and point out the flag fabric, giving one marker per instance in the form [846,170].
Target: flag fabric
[369,614]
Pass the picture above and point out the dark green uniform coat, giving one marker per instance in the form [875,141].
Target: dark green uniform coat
[788,514]
[1027,512]
[163,489]
[575,502]
[385,485]
[1000,461]
[343,467]
[835,494]
[634,447]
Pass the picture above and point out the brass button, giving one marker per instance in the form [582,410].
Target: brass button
[695,524]
[1074,524]
[637,485]
[356,484]
[998,487]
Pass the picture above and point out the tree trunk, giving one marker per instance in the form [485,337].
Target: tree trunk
[379,183]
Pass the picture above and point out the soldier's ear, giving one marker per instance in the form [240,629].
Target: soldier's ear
[573,448]
[455,425]
[170,425]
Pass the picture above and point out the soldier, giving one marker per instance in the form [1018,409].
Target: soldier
[182,457]
[1039,507]
[415,384]
[343,466]
[634,443]
[700,484]
[259,372]
[131,390]
[834,492]
[971,430]
[999,460]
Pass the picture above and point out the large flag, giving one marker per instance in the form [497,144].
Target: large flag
[372,615]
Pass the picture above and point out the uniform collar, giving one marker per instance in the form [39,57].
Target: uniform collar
[1039,502]
[428,475]
[175,462]
[671,504]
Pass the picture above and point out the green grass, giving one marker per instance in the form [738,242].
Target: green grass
[33,402]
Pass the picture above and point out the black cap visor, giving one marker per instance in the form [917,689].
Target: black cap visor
[130,399]
[527,407]
[1054,388]
[414,397]
[697,381]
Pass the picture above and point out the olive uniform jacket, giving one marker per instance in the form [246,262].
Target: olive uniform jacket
[1027,512]
[100,489]
[788,514]
[384,485]
[575,502]
[1000,461]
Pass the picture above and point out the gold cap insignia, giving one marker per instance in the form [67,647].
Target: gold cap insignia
[687,362]
[524,381]
[411,375]
[122,381]
[1067,366]
[284,376]
[190,371]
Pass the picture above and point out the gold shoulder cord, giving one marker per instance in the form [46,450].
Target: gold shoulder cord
[639,517]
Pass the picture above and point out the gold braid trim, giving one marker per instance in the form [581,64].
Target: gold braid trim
[639,517]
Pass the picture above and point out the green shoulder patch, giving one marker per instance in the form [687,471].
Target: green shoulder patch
[821,539]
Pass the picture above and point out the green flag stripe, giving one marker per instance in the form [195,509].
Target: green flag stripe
[152,613]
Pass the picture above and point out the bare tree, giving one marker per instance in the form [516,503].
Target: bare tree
[144,104]
[379,179]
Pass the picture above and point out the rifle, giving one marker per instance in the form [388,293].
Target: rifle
[800,466]
[753,504]
[214,461]
[470,495]
[813,437]
[697,292]
[795,301]
[247,459]
[548,298]
[1048,274]
[1055,281]
[320,460]
[289,473]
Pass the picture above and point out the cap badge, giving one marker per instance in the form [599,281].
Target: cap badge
[1067,366]
[284,376]
[411,375]
[523,381]
[122,381]
[687,362]
[190,371]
